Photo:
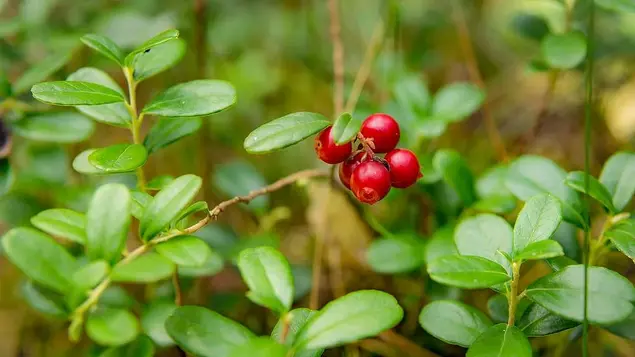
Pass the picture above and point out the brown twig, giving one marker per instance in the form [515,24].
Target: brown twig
[338,56]
[367,64]
[200,31]
[472,66]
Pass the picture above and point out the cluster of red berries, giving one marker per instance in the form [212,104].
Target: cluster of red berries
[367,175]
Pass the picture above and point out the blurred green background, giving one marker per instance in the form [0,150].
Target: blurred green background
[277,53]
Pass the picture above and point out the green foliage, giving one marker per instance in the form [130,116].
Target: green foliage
[185,251]
[345,128]
[107,222]
[284,132]
[112,327]
[118,158]
[615,177]
[501,340]
[75,93]
[468,272]
[148,268]
[195,98]
[454,322]
[170,130]
[62,223]
[398,254]
[60,127]
[564,51]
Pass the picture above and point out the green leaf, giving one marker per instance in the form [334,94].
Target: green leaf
[297,319]
[140,200]
[112,327]
[61,222]
[43,300]
[624,328]
[212,266]
[484,235]
[532,175]
[284,132]
[6,176]
[200,97]
[352,317]
[531,26]
[492,183]
[453,322]
[440,244]
[148,268]
[345,128]
[268,276]
[457,101]
[495,204]
[158,59]
[206,333]
[468,272]
[617,176]
[610,295]
[40,71]
[158,183]
[167,131]
[167,204]
[118,158]
[157,40]
[575,180]
[75,93]
[153,321]
[537,321]
[537,221]
[564,51]
[40,258]
[501,340]
[185,250]
[622,235]
[194,208]
[617,5]
[90,275]
[260,347]
[105,46]
[237,178]
[540,250]
[112,114]
[498,308]
[107,222]
[82,165]
[456,173]
[412,94]
[559,263]
[141,347]
[60,127]
[397,254]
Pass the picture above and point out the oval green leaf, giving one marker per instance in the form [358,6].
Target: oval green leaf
[498,308]
[75,93]
[537,221]
[237,178]
[564,51]
[212,266]
[119,158]
[260,347]
[90,275]
[40,71]
[345,128]
[158,59]
[105,46]
[61,127]
[167,131]
[61,222]
[200,97]
[537,321]
[141,347]
[112,327]
[485,235]
[441,244]
[185,250]
[163,37]
[453,322]
[44,300]
[623,237]
[352,317]
[153,321]
[268,275]
[468,272]
[148,268]
[544,249]
[576,180]
[296,319]
[284,132]
[456,173]
[206,333]
[610,295]
[397,254]
[108,222]
[501,340]
[140,200]
[617,175]
[617,5]
[82,165]
[167,204]
[457,101]
[40,258]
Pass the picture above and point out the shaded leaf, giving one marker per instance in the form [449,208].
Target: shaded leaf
[457,101]
[40,71]
[107,222]
[456,173]
[112,327]
[397,254]
[105,46]
[167,131]
[297,318]
[61,222]
[617,176]
[284,132]
[60,127]
[238,178]
[185,250]
[148,268]
[141,347]
[564,51]
[538,321]
[576,180]
[345,128]
[199,97]
[453,322]
[623,237]
[153,321]
[501,340]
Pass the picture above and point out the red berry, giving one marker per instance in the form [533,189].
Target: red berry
[328,151]
[404,167]
[347,167]
[370,181]
[383,130]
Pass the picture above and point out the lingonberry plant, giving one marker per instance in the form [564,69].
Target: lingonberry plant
[516,261]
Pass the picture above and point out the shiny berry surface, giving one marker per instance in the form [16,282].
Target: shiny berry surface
[383,130]
[404,167]
[347,167]
[370,182]
[328,151]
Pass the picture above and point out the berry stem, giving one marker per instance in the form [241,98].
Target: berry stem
[365,144]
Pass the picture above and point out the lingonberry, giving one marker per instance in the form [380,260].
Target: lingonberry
[383,130]
[370,181]
[328,151]
[347,167]
[404,167]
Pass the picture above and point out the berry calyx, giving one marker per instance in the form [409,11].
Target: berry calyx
[383,130]
[370,181]
[347,167]
[404,167]
[328,151]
